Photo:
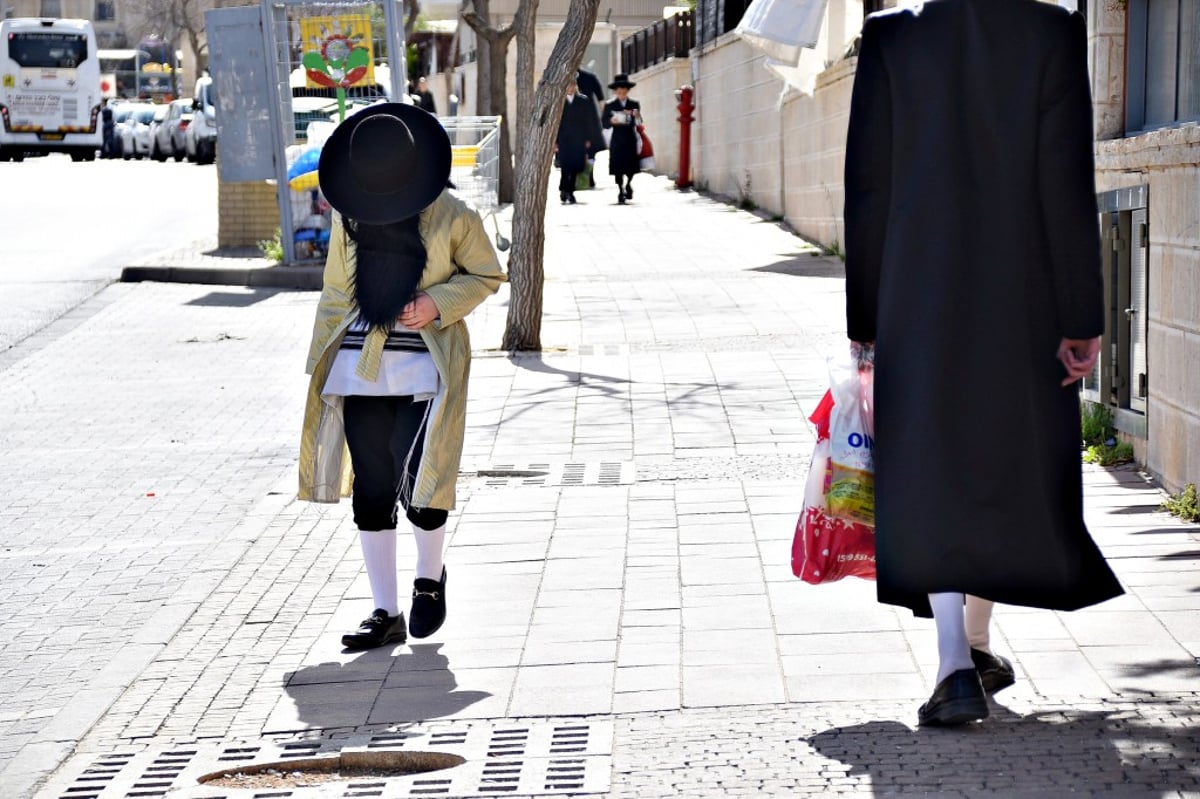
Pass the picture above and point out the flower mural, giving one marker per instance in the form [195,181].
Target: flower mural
[342,57]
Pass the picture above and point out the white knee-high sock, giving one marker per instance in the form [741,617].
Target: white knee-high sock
[429,552]
[379,555]
[979,619]
[954,652]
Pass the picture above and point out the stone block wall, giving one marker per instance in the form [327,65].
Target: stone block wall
[815,155]
[655,91]
[247,213]
[739,133]
[1168,161]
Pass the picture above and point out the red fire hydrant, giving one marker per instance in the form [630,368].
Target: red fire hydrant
[685,108]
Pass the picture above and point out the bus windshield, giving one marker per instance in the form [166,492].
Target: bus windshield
[47,50]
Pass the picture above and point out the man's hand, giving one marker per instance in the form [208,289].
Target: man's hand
[418,313]
[1078,357]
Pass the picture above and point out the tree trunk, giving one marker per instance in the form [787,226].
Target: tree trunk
[526,273]
[525,28]
[474,13]
[498,56]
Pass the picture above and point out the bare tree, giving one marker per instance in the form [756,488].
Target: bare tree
[523,329]
[525,25]
[476,14]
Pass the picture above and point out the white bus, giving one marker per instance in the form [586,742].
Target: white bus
[49,88]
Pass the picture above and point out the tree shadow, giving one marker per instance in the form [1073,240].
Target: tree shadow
[380,686]
[1114,752]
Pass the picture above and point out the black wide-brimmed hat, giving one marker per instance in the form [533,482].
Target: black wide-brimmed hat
[621,81]
[385,163]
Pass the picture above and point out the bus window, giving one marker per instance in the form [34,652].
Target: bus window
[48,50]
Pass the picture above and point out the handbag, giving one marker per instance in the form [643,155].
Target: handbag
[645,150]
[826,546]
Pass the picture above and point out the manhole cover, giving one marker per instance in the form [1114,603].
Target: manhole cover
[319,770]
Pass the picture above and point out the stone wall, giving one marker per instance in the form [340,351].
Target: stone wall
[740,128]
[815,155]
[1169,162]
[247,213]
[655,91]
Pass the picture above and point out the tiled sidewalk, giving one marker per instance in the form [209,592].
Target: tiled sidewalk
[621,555]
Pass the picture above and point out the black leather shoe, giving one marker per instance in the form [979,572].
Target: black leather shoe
[428,606]
[958,699]
[377,630]
[996,673]
[629,192]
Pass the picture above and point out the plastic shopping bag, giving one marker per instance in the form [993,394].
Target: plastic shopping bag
[824,547]
[851,494]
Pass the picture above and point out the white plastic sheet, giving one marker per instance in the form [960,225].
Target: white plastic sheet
[783,28]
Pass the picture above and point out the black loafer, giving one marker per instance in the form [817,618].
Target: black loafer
[958,699]
[996,673]
[428,606]
[377,630]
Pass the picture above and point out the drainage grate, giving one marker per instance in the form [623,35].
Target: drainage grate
[536,759]
[592,473]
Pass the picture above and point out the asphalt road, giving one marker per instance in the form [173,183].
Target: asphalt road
[67,229]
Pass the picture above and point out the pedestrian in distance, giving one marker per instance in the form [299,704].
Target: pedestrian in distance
[108,132]
[591,88]
[577,130]
[622,116]
[422,97]
[386,410]
[973,266]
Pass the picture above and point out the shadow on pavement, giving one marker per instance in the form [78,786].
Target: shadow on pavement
[230,299]
[1114,753]
[378,687]
[805,265]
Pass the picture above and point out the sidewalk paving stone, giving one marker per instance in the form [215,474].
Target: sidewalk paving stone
[641,580]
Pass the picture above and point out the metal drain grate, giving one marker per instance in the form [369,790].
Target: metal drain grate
[592,473]
[536,759]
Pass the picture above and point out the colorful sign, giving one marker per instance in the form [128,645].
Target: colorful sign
[338,51]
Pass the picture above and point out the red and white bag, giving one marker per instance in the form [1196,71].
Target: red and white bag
[826,548]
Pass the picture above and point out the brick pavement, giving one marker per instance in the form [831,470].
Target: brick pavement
[632,567]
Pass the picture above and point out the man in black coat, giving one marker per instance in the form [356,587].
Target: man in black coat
[578,130]
[591,88]
[973,264]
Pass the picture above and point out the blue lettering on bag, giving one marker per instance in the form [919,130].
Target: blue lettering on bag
[858,440]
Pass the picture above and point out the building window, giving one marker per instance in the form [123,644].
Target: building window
[106,10]
[1163,71]
[51,8]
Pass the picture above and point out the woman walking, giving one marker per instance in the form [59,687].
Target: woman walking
[622,116]
[390,353]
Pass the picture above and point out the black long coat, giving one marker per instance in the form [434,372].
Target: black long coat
[972,249]
[622,150]
[579,127]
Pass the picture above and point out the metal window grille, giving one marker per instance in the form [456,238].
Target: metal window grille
[1121,377]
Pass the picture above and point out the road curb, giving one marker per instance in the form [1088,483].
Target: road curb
[300,278]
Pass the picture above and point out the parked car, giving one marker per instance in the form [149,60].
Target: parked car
[156,124]
[134,131]
[168,136]
[200,139]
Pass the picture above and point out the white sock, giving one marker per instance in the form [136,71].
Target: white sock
[954,653]
[979,619]
[429,552]
[379,555]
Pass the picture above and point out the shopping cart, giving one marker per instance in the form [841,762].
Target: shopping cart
[475,164]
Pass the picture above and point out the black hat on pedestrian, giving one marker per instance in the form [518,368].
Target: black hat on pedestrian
[385,163]
[621,81]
